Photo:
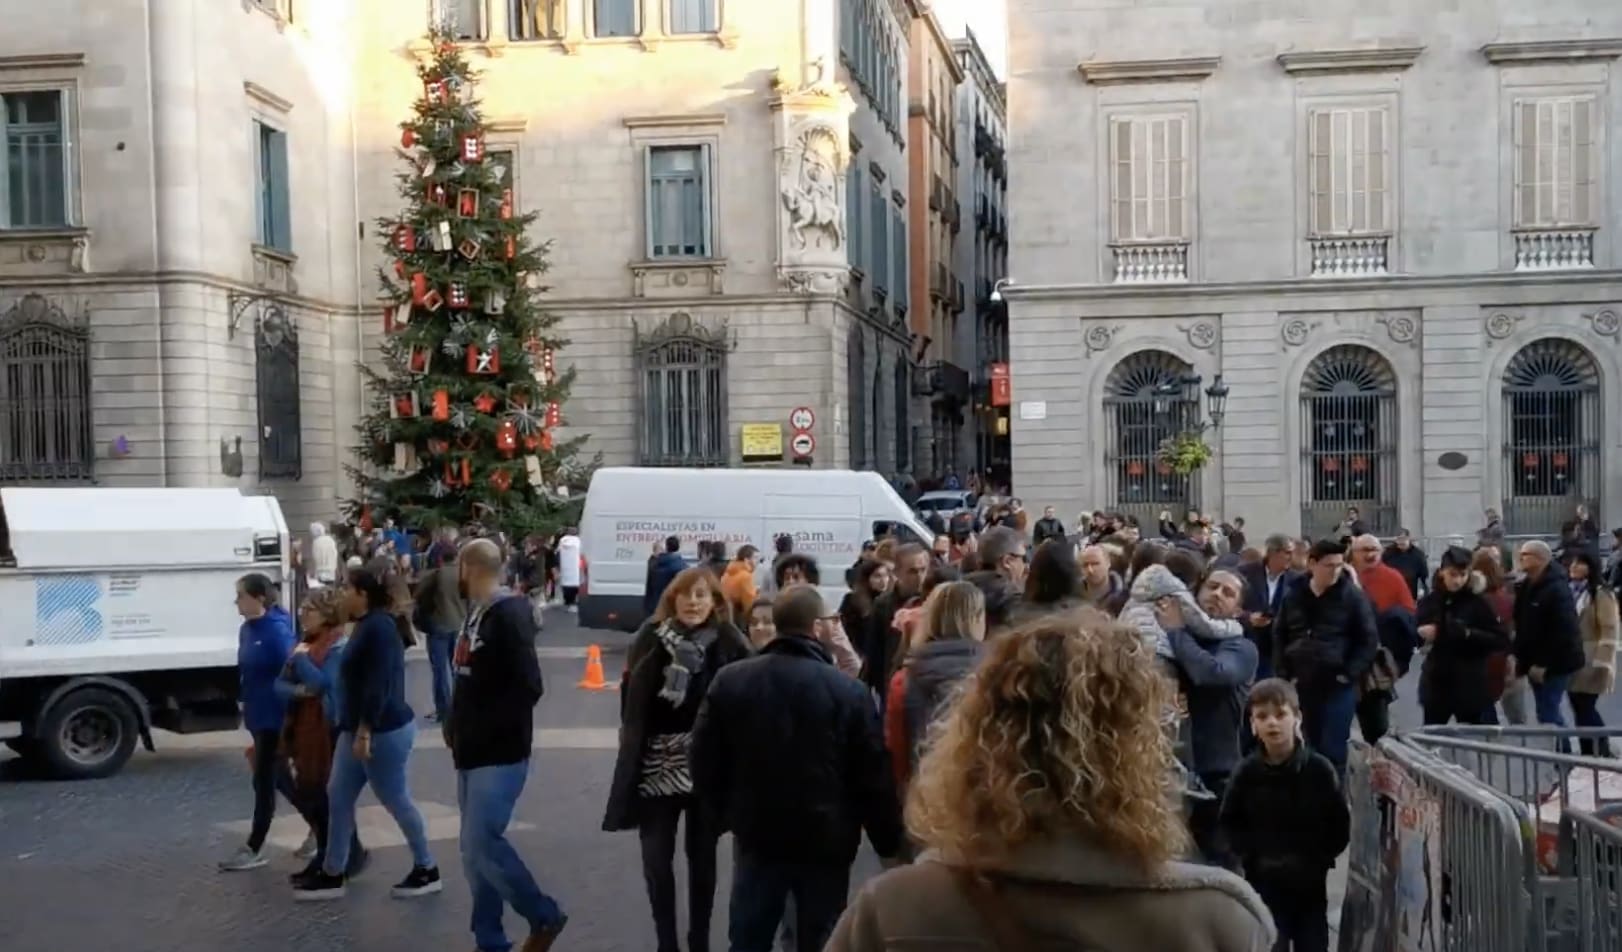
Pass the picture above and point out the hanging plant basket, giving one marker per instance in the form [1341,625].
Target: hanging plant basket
[1185,453]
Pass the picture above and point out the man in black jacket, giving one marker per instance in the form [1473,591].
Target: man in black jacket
[878,645]
[1410,560]
[1324,640]
[1047,527]
[1265,584]
[1548,646]
[490,733]
[792,754]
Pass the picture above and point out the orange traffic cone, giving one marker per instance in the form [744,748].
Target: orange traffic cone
[593,680]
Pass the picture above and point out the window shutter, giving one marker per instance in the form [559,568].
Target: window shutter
[650,198]
[280,194]
[706,187]
[853,213]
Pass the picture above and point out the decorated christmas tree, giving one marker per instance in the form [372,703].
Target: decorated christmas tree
[467,399]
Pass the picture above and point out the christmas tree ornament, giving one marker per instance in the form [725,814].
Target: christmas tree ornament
[432,299]
[456,295]
[434,92]
[467,203]
[408,137]
[442,405]
[532,469]
[439,447]
[502,479]
[468,442]
[469,248]
[485,402]
[532,441]
[525,419]
[458,170]
[399,268]
[485,361]
[438,489]
[395,318]
[405,459]
[554,414]
[518,396]
[495,302]
[417,360]
[437,195]
[472,147]
[546,440]
[507,437]
[405,237]
[441,235]
[403,406]
[427,167]
[492,337]
[365,523]
[461,330]
[506,204]
[462,416]
[510,248]
[419,287]
[548,368]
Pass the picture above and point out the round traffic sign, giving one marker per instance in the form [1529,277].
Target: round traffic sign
[802,418]
[803,444]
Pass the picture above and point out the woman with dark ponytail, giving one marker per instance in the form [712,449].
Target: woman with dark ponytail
[263,645]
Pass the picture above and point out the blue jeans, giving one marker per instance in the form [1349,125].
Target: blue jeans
[385,771]
[1546,699]
[1326,720]
[761,889]
[440,646]
[495,872]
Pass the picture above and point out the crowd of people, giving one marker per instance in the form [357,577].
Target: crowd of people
[1122,738]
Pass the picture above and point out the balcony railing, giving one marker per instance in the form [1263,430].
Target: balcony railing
[1151,262]
[957,297]
[939,283]
[1349,256]
[1554,249]
[945,380]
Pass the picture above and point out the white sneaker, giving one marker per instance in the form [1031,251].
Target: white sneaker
[243,859]
[306,851]
[572,609]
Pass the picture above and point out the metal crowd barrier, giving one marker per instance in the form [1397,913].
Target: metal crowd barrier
[1484,838]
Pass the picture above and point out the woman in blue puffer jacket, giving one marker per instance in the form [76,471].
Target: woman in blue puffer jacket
[263,646]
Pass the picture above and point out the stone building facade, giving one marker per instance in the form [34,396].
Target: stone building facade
[982,258]
[1391,233]
[936,219]
[187,247]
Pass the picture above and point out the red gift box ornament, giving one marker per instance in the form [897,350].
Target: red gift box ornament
[472,148]
[457,296]
[502,480]
[437,194]
[434,91]
[546,440]
[506,204]
[483,361]
[419,288]
[467,203]
[554,414]
[399,268]
[507,437]
[405,238]
[408,137]
[532,441]
[442,405]
[510,249]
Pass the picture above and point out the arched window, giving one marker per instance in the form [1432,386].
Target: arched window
[856,382]
[1551,407]
[1144,405]
[681,375]
[281,440]
[1348,441]
[45,422]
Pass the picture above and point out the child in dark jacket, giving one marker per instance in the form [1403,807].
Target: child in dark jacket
[1286,819]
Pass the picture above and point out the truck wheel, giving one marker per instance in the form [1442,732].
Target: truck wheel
[88,734]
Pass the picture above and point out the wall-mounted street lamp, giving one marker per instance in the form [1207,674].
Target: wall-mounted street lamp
[1185,391]
[996,289]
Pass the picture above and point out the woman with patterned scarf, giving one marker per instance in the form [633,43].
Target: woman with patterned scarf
[672,661]
[310,683]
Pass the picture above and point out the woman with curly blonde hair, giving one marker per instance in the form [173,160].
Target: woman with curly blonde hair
[1046,805]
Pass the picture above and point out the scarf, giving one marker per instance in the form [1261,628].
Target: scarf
[306,735]
[686,658]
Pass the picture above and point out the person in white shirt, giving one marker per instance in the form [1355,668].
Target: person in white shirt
[569,567]
[323,555]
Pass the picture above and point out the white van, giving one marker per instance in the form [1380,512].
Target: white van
[630,511]
[117,615]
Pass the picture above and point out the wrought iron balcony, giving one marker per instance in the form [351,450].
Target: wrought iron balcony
[1349,256]
[1151,262]
[946,381]
[1554,249]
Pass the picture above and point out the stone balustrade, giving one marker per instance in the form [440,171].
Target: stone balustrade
[1554,249]
[1159,262]
[1350,256]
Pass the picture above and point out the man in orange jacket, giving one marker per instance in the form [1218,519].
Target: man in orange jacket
[738,582]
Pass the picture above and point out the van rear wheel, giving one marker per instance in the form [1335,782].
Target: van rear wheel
[88,734]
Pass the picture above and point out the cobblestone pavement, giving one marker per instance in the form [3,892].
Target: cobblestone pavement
[127,863]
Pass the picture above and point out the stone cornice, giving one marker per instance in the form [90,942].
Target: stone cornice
[1114,72]
[1312,287]
[266,98]
[1348,61]
[1552,51]
[674,122]
[24,61]
[507,125]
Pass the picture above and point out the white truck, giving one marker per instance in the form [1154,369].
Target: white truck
[118,616]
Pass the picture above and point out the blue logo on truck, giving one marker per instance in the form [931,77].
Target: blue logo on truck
[66,610]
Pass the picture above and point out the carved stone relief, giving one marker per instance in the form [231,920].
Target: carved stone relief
[1401,328]
[811,193]
[1605,322]
[1100,337]
[1500,324]
[1202,335]
[1297,330]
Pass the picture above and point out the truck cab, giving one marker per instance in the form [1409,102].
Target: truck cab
[117,616]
